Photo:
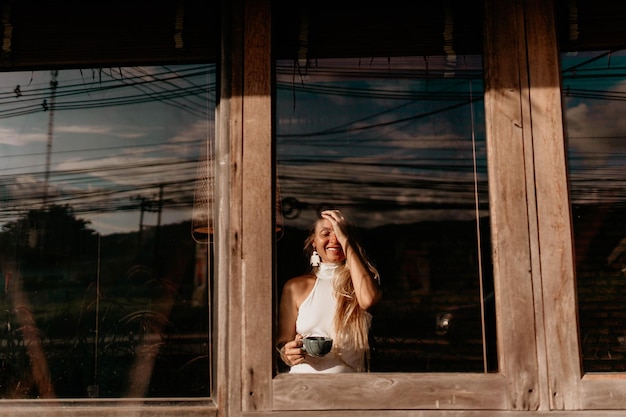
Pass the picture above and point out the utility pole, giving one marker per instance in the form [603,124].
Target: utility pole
[50,107]
[158,230]
[143,209]
[40,229]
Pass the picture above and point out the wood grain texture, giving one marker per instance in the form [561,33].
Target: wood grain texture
[606,392]
[557,289]
[257,208]
[389,391]
[507,133]
[228,154]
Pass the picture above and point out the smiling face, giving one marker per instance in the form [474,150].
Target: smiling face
[326,244]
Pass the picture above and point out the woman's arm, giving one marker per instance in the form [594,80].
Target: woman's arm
[288,343]
[366,287]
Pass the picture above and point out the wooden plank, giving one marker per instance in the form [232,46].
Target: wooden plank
[443,413]
[258,205]
[114,409]
[506,130]
[606,392]
[228,207]
[533,221]
[81,409]
[389,391]
[103,408]
[557,287]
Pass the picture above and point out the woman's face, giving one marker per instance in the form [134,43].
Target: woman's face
[326,244]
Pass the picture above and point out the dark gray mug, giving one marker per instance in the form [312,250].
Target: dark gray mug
[317,345]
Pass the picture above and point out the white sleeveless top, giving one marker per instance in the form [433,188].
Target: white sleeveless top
[315,318]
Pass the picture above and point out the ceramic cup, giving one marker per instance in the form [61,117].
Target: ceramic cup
[317,345]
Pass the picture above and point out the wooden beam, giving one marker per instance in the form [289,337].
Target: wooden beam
[228,213]
[258,207]
[508,133]
[450,391]
[557,288]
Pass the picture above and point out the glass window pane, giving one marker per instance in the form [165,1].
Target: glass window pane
[593,90]
[397,143]
[105,286]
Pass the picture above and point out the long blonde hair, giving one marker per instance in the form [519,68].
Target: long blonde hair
[351,322]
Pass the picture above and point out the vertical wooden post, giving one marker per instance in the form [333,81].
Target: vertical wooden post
[556,289]
[244,209]
[525,135]
[258,207]
[508,141]
[228,216]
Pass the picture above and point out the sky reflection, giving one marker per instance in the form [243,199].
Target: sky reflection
[116,137]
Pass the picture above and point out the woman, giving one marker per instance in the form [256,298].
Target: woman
[332,300]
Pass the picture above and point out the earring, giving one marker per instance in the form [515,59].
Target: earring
[315,258]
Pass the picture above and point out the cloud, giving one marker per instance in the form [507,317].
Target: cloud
[83,129]
[188,142]
[195,131]
[594,125]
[122,169]
[13,137]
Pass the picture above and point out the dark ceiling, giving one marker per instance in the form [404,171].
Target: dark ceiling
[335,29]
[43,33]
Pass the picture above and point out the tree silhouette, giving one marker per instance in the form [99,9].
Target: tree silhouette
[45,241]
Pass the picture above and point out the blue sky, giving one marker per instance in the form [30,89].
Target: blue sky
[116,135]
[594,86]
[397,140]
[392,140]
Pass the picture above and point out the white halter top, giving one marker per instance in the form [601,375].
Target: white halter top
[315,318]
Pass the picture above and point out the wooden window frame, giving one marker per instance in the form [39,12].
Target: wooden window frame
[539,354]
[249,239]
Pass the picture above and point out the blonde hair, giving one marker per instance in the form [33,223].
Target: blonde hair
[351,322]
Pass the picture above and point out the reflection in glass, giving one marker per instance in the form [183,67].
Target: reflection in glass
[399,144]
[105,287]
[594,100]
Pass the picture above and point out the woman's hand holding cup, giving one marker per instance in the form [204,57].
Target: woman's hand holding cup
[292,352]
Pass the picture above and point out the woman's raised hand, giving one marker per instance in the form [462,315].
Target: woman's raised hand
[339,222]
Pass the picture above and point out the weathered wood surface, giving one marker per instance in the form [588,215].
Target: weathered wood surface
[228,213]
[389,391]
[524,55]
[107,408]
[46,409]
[508,129]
[555,292]
[257,208]
[604,392]
[443,413]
